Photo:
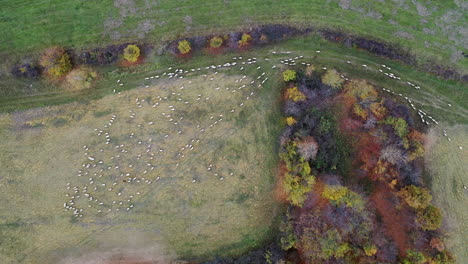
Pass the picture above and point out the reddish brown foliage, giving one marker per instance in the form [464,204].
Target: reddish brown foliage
[397,222]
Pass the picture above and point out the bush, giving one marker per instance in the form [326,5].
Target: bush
[361,89]
[378,110]
[332,78]
[429,218]
[56,62]
[359,111]
[370,250]
[417,150]
[297,187]
[414,257]
[416,197]
[184,47]
[81,78]
[131,53]
[290,120]
[25,70]
[340,195]
[216,42]
[245,40]
[399,125]
[289,75]
[295,95]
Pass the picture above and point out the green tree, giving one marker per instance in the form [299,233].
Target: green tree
[399,125]
[429,218]
[289,75]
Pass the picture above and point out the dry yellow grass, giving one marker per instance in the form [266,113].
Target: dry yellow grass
[214,199]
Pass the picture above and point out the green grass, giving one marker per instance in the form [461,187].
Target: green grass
[434,96]
[30,26]
[447,173]
[42,150]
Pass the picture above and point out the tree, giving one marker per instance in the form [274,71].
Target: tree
[429,218]
[393,154]
[289,75]
[297,187]
[308,148]
[370,250]
[359,111]
[399,125]
[131,53]
[245,40]
[416,197]
[56,62]
[216,42]
[81,78]
[340,195]
[414,257]
[184,47]
[361,89]
[332,78]
[290,120]
[295,95]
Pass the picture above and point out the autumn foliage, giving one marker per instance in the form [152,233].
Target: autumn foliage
[56,62]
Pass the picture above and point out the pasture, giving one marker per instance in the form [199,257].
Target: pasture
[184,167]
[432,29]
[447,166]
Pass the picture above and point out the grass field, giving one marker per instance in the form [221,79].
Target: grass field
[193,210]
[191,182]
[447,168]
[430,28]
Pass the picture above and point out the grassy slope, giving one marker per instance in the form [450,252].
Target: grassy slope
[33,25]
[448,166]
[192,220]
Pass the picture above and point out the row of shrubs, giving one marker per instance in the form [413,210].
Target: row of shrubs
[392,51]
[232,41]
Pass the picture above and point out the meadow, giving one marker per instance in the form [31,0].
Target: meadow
[183,174]
[219,192]
[432,29]
[447,175]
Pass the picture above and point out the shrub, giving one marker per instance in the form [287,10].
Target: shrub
[295,95]
[416,197]
[378,110]
[289,75]
[184,47]
[56,62]
[417,150]
[297,187]
[245,40]
[81,78]
[443,257]
[414,257]
[340,195]
[332,78]
[131,53]
[399,125]
[370,250]
[429,218]
[290,120]
[361,89]
[359,111]
[216,42]
[25,70]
